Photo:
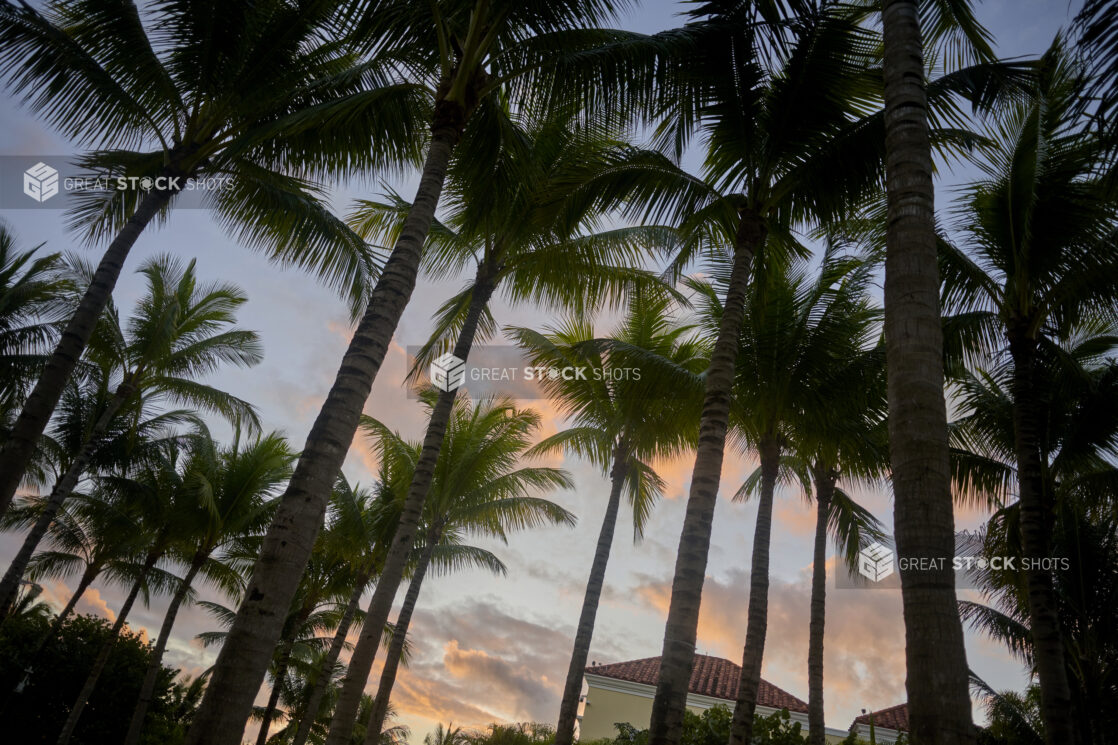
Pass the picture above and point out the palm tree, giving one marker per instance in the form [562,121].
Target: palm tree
[448,735]
[92,534]
[466,51]
[936,681]
[1076,442]
[622,425]
[849,443]
[181,330]
[519,246]
[248,93]
[155,488]
[357,531]
[479,488]
[782,105]
[1086,596]
[796,327]
[315,609]
[232,492]
[1034,257]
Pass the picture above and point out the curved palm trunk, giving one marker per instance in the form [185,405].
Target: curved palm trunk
[40,405]
[248,649]
[741,727]
[938,698]
[357,675]
[396,646]
[572,690]
[274,696]
[824,491]
[1036,516]
[103,656]
[58,496]
[155,663]
[322,683]
[678,654]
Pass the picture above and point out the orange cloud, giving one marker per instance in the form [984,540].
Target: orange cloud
[92,602]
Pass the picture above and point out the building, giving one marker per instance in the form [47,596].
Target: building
[888,724]
[623,692]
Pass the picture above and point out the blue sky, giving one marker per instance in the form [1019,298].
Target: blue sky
[490,648]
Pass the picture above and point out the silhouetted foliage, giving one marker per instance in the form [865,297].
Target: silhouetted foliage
[37,689]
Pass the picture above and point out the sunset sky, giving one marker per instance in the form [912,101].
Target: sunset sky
[496,649]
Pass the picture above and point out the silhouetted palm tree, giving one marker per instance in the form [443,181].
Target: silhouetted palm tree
[255,95]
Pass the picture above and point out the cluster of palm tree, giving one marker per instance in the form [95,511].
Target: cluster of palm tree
[816,123]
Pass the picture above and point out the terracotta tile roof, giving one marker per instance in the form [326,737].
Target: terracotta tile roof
[895,717]
[710,676]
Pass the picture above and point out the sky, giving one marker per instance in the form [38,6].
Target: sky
[496,649]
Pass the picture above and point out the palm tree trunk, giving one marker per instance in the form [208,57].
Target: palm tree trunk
[248,649]
[396,646]
[938,697]
[314,702]
[572,690]
[1036,516]
[39,407]
[741,727]
[274,696]
[58,496]
[678,654]
[103,655]
[357,675]
[824,491]
[155,663]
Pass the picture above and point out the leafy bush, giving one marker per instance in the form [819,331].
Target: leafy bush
[36,713]
[712,727]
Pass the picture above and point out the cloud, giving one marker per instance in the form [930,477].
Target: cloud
[476,664]
[92,602]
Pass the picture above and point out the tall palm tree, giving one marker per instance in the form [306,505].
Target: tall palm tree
[923,517]
[232,490]
[181,329]
[621,424]
[466,51]
[1033,257]
[479,487]
[519,246]
[255,95]
[796,327]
